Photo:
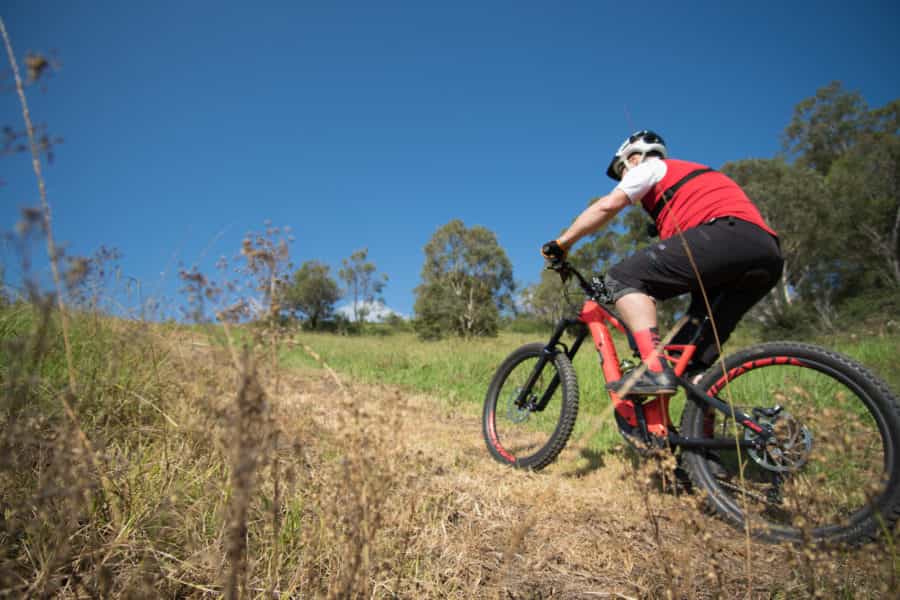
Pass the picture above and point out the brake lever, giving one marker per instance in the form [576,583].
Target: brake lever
[560,267]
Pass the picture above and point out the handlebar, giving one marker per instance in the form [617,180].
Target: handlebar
[595,289]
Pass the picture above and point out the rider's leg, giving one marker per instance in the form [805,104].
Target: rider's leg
[730,301]
[638,311]
[733,304]
[698,330]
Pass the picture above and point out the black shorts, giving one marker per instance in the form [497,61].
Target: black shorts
[738,263]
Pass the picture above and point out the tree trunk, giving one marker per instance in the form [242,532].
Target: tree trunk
[895,247]
[886,249]
[783,290]
[470,312]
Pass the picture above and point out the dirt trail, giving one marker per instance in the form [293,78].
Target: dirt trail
[589,526]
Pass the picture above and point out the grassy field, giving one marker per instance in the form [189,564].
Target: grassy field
[459,371]
[454,370]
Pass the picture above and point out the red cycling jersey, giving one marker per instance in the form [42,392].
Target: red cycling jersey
[703,198]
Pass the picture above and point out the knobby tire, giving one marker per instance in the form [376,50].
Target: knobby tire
[847,490]
[518,436]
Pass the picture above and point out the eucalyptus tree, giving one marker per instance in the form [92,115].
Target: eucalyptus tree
[467,282]
[363,283]
[866,183]
[312,292]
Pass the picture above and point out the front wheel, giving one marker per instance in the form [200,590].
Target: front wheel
[528,430]
[830,471]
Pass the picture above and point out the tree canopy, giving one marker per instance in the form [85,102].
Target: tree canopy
[836,207]
[466,282]
[363,283]
[312,292]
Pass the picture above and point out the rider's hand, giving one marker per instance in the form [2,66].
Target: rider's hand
[553,252]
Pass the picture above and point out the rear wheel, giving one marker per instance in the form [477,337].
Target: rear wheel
[528,430]
[831,471]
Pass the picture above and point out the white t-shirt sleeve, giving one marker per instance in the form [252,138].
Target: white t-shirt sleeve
[638,181]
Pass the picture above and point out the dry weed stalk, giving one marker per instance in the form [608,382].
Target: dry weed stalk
[274,570]
[343,549]
[250,424]
[53,253]
[359,508]
[721,362]
[519,533]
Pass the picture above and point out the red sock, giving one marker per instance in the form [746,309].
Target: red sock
[647,340]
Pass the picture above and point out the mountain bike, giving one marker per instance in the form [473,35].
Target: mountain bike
[792,441]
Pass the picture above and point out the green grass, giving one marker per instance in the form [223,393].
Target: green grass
[454,370]
[877,353]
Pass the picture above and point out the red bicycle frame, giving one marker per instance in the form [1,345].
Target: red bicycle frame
[648,417]
[656,411]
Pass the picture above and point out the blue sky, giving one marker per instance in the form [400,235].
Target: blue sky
[371,124]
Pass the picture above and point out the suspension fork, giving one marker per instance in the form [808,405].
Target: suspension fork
[547,354]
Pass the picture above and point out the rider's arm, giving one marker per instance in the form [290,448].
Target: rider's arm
[594,217]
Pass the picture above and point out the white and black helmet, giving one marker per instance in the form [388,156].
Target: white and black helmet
[641,142]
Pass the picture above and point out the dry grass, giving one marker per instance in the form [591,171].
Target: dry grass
[327,491]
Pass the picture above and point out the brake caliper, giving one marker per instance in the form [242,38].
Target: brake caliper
[519,414]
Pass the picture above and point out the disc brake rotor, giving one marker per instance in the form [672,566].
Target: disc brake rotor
[788,450]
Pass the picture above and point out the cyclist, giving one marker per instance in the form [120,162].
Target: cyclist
[695,208]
